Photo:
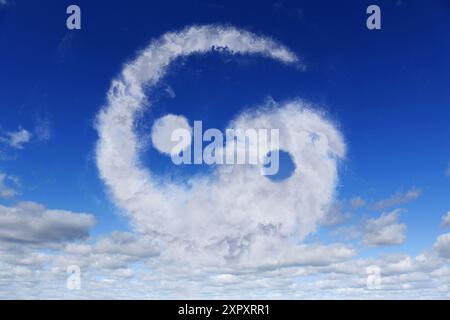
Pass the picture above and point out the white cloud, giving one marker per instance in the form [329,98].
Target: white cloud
[336,215]
[126,265]
[139,246]
[6,191]
[162,133]
[398,198]
[17,139]
[113,274]
[118,250]
[385,230]
[442,245]
[31,223]
[231,210]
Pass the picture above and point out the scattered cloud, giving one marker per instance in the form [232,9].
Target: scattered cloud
[6,190]
[442,245]
[32,223]
[132,265]
[127,265]
[19,138]
[398,199]
[385,230]
[16,139]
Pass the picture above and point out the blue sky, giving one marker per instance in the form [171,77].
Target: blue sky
[385,90]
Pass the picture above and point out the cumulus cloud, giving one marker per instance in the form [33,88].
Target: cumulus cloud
[109,253]
[228,212]
[129,265]
[442,245]
[17,139]
[32,223]
[319,272]
[398,199]
[385,230]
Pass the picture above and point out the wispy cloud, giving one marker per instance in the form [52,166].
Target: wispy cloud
[19,138]
[446,220]
[170,92]
[16,139]
[42,129]
[358,202]
[447,171]
[6,190]
[398,199]
[6,3]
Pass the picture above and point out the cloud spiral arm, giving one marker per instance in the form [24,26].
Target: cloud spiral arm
[228,213]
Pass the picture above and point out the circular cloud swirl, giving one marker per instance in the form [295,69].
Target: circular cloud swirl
[233,212]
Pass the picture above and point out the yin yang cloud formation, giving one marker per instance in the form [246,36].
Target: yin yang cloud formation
[234,216]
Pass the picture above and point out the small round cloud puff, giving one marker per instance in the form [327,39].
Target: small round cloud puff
[162,133]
